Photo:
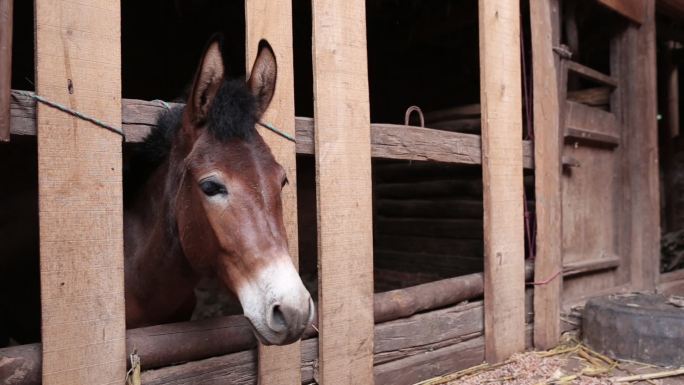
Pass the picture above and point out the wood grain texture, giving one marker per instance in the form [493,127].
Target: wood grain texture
[343,185]
[78,64]
[6,25]
[590,73]
[635,10]
[545,34]
[272,21]
[640,160]
[387,140]
[590,119]
[502,168]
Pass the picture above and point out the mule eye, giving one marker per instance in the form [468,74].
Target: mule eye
[284,183]
[211,188]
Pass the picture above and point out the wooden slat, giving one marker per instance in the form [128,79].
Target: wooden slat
[500,94]
[583,117]
[407,351]
[590,73]
[272,20]
[641,153]
[591,137]
[590,266]
[545,19]
[388,141]
[6,24]
[78,64]
[631,9]
[343,185]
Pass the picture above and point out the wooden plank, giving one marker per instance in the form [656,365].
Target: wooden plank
[6,24]
[639,196]
[407,350]
[500,95]
[590,266]
[590,73]
[590,137]
[545,34]
[78,64]
[583,117]
[641,112]
[343,185]
[671,75]
[631,9]
[272,21]
[387,140]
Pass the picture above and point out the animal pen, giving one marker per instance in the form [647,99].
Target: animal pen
[530,185]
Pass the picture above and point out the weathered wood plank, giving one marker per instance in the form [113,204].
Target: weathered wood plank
[387,140]
[343,184]
[581,117]
[6,24]
[406,351]
[78,64]
[590,137]
[401,349]
[545,22]
[641,152]
[501,98]
[631,9]
[272,20]
[590,73]
[590,266]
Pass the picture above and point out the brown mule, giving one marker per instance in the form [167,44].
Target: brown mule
[212,205]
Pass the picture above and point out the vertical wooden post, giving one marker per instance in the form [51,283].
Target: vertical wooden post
[545,21]
[6,24]
[272,20]
[639,98]
[502,167]
[343,184]
[78,64]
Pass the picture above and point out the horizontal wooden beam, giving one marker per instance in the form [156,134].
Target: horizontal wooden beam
[590,73]
[588,136]
[388,141]
[632,9]
[406,351]
[169,344]
[590,266]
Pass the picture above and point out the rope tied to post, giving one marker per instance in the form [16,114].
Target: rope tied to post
[277,131]
[119,130]
[63,108]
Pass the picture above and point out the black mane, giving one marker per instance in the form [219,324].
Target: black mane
[232,115]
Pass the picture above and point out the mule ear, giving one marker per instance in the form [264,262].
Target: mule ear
[262,80]
[207,82]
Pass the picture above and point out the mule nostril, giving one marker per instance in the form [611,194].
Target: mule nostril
[276,320]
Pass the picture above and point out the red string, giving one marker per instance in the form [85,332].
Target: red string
[546,281]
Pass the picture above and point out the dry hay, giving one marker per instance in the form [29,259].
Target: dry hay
[570,363]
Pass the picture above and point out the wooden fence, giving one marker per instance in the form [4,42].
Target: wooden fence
[78,63]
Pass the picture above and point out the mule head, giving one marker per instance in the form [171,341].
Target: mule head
[229,208]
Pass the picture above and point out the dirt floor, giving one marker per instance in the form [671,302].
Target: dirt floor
[569,363]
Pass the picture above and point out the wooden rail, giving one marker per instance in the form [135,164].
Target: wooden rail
[502,173]
[170,344]
[590,73]
[272,20]
[545,34]
[6,25]
[389,141]
[78,64]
